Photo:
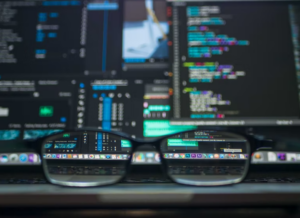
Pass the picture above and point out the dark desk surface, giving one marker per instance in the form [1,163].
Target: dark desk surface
[157,195]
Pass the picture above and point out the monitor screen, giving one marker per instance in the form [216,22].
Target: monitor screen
[107,64]
[234,62]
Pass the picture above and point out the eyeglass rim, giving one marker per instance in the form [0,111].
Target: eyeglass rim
[137,143]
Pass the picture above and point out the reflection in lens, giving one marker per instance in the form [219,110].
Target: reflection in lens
[206,157]
[85,158]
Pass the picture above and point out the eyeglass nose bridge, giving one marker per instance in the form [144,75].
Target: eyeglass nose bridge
[144,145]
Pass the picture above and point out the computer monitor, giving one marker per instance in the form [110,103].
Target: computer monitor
[70,63]
[104,64]
[234,63]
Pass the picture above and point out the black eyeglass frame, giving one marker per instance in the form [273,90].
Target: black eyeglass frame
[36,146]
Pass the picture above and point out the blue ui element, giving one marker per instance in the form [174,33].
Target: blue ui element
[40,36]
[104,87]
[107,105]
[103,6]
[40,51]
[42,17]
[23,158]
[52,35]
[61,3]
[53,15]
[99,141]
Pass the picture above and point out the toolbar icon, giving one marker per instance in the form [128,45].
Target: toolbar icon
[4,158]
[291,157]
[23,158]
[257,156]
[281,156]
[32,158]
[13,157]
[272,156]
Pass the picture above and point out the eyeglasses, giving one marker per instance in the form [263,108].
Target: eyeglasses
[87,158]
